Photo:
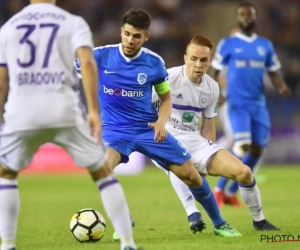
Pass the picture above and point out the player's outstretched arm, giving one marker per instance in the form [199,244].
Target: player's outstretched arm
[208,128]
[165,108]
[89,74]
[222,84]
[3,88]
[90,81]
[279,83]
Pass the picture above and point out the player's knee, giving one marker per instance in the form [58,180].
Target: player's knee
[104,171]
[240,148]
[195,179]
[245,175]
[188,174]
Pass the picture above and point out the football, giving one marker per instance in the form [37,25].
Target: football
[87,225]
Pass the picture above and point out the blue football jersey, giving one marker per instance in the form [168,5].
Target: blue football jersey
[125,88]
[247,59]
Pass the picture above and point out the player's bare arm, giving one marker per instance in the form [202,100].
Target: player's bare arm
[3,88]
[279,83]
[208,128]
[165,110]
[89,74]
[222,85]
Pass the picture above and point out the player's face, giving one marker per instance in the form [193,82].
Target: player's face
[197,61]
[132,39]
[246,17]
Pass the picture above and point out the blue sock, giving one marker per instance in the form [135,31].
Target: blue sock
[233,188]
[221,184]
[205,197]
[250,162]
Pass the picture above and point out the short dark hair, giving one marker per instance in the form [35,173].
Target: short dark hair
[246,4]
[138,18]
[202,41]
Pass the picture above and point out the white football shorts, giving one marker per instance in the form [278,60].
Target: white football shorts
[201,150]
[18,148]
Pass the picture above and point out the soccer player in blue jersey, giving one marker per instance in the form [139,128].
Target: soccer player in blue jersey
[247,56]
[128,72]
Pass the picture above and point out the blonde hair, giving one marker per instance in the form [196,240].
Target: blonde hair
[202,41]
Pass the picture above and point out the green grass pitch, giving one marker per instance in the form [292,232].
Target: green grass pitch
[49,201]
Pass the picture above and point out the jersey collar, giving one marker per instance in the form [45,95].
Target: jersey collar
[128,59]
[248,39]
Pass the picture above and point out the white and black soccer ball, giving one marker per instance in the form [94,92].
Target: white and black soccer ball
[87,225]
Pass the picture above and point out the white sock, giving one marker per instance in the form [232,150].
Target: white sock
[116,208]
[9,212]
[184,194]
[251,197]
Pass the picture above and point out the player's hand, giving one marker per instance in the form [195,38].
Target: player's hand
[285,90]
[160,131]
[94,121]
[221,100]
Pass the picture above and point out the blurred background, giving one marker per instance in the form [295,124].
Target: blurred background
[174,22]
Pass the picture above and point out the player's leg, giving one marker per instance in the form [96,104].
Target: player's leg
[226,141]
[16,152]
[186,198]
[260,130]
[250,159]
[171,155]
[9,209]
[182,191]
[100,165]
[260,178]
[204,196]
[201,153]
[114,159]
[261,125]
[225,164]
[240,120]
[119,149]
[168,153]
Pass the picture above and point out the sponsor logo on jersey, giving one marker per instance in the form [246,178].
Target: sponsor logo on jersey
[142,78]
[123,92]
[188,116]
[249,63]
